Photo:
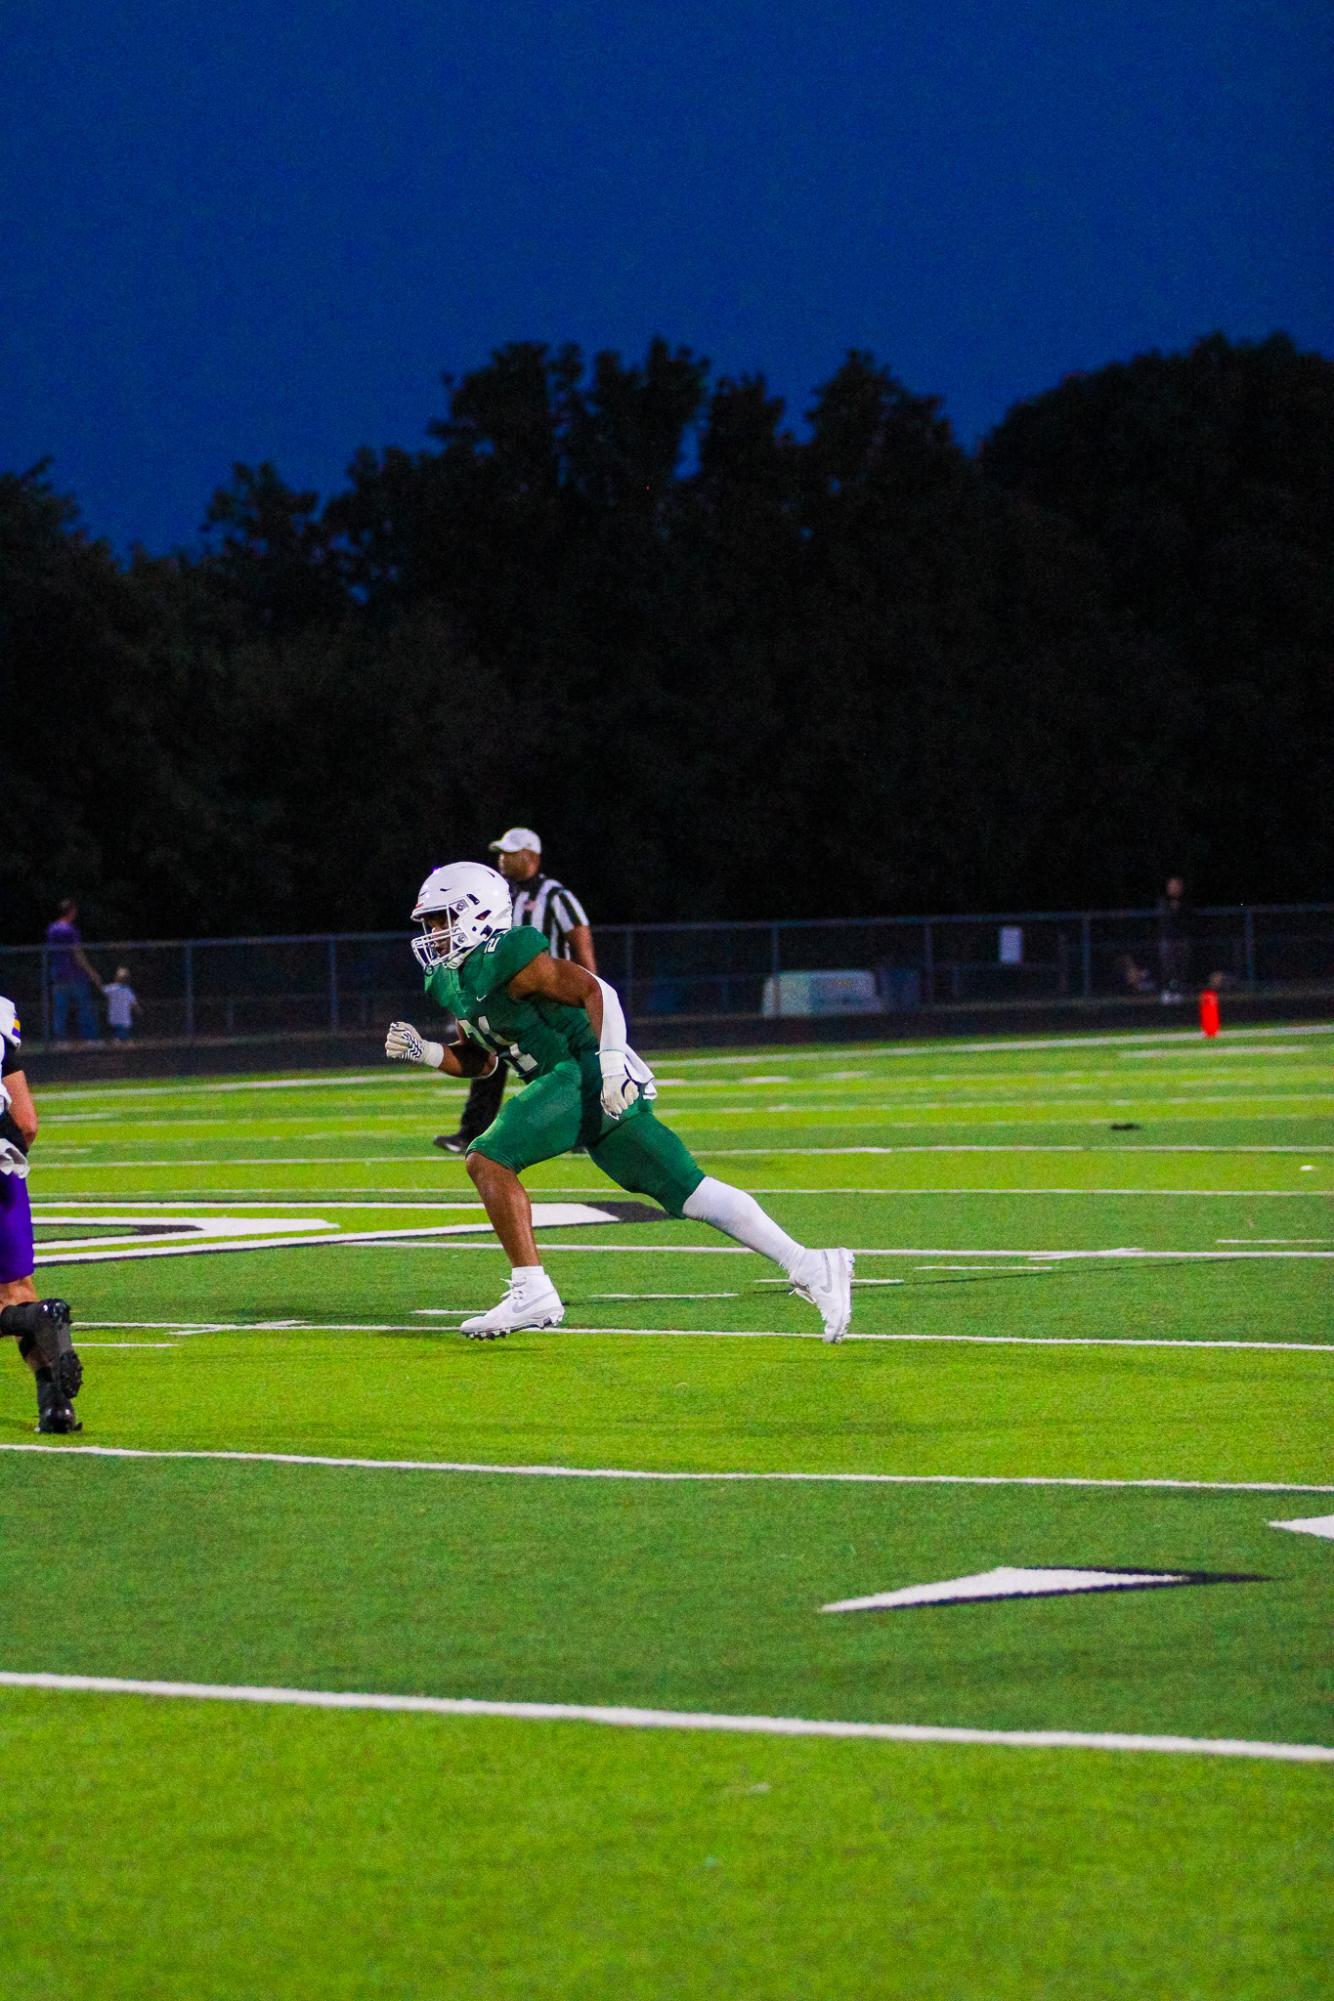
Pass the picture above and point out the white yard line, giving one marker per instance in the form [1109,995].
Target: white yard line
[844,1114]
[980,1340]
[477,1237]
[905,1193]
[619,1716]
[1069,1085]
[465,1466]
[123,1164]
[184,1329]
[428,1241]
[392,1205]
[1185,1038]
[1078,1090]
[978,1146]
[868,1109]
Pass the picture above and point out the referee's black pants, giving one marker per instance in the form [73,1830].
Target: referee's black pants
[483,1104]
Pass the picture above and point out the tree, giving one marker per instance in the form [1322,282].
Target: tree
[1205,484]
[271,554]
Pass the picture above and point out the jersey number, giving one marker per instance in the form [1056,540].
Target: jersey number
[484,1034]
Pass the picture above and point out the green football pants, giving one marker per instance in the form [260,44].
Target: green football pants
[562,1110]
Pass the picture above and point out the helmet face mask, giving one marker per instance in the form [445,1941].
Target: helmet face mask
[459,907]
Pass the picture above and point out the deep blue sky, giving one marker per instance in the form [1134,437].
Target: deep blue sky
[245,233]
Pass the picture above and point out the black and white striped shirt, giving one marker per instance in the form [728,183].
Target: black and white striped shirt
[551,908]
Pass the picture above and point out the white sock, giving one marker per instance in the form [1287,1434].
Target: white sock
[739,1215]
[524,1276]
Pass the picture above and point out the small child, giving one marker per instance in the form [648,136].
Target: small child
[122,1005]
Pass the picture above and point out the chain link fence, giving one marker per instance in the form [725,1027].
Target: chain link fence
[215,989]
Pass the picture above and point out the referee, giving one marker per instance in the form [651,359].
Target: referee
[549,907]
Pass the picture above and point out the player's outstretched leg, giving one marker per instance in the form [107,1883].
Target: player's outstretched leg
[646,1156]
[822,1277]
[42,1327]
[531,1300]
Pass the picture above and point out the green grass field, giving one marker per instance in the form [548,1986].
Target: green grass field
[1093,1330]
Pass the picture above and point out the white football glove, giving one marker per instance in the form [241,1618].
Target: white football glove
[404,1045]
[625,1077]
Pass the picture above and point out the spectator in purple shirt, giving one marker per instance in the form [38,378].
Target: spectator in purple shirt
[73,979]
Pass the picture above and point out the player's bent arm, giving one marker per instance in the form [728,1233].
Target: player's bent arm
[624,1076]
[21,1107]
[467,1059]
[545,978]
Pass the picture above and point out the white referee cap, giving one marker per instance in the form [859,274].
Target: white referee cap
[516,838]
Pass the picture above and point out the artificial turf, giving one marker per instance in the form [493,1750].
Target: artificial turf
[229,1851]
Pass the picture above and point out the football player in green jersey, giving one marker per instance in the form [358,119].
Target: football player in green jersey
[564,1030]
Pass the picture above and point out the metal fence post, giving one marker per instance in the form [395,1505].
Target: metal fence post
[776,966]
[928,966]
[188,982]
[1248,939]
[1086,952]
[333,984]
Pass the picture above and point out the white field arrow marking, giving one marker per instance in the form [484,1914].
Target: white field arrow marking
[207,1235]
[1309,1525]
[1008,1582]
[166,1230]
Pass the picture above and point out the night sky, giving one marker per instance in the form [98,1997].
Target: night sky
[244,234]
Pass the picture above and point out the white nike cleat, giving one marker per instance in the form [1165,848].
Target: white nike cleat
[829,1290]
[527,1304]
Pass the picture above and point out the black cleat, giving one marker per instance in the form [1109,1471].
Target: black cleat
[49,1331]
[450,1142]
[59,1372]
[67,1376]
[55,1387]
[58,1417]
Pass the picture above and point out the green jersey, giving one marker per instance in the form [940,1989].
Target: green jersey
[535,1034]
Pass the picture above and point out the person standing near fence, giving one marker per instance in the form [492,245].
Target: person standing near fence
[73,979]
[122,1005]
[538,899]
[1173,940]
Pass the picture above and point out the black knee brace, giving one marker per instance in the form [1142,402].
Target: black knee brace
[42,1326]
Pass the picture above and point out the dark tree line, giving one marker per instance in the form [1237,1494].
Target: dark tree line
[726,669]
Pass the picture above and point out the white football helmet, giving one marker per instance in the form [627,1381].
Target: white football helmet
[459,907]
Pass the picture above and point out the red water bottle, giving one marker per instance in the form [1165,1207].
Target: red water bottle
[1209,1011]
